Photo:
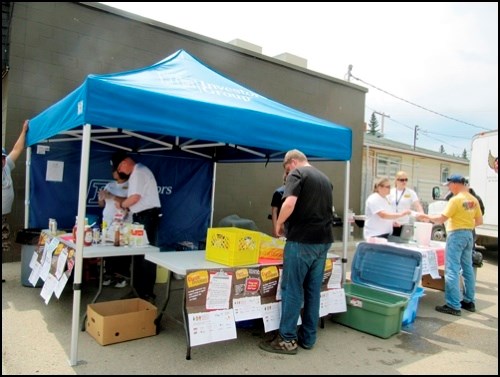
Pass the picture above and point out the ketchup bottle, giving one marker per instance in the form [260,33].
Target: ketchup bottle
[87,236]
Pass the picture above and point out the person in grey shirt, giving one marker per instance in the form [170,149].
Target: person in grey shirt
[8,164]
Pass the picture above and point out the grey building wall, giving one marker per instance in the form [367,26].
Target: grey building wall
[54,46]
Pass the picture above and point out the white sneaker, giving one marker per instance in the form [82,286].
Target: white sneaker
[121,284]
[106,282]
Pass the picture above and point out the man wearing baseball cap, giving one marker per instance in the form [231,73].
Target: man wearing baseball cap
[8,164]
[463,214]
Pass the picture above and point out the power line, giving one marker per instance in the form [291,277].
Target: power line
[412,103]
[427,133]
[443,142]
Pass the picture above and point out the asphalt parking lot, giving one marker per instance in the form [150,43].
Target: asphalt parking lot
[36,340]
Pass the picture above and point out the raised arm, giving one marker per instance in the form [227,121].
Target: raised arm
[20,143]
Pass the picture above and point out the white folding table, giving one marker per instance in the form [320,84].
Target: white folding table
[182,261]
[104,251]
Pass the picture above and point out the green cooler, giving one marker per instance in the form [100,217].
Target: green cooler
[384,277]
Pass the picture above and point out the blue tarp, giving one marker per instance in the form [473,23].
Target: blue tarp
[181,97]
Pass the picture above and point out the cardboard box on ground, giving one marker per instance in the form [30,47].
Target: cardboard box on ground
[429,282]
[121,320]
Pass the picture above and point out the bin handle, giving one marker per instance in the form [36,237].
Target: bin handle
[417,273]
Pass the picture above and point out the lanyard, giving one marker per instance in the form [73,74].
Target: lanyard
[400,196]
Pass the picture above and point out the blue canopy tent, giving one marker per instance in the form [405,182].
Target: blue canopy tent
[181,106]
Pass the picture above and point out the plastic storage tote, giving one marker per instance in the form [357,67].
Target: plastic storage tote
[410,312]
[384,277]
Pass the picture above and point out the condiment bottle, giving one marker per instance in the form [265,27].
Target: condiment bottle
[104,232]
[87,237]
[53,227]
[117,234]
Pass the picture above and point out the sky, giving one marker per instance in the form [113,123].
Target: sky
[431,68]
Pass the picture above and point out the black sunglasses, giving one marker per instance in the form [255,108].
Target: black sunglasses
[403,179]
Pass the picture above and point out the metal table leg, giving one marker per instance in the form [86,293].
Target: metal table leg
[186,325]
[184,313]
[132,287]
[101,277]
[164,306]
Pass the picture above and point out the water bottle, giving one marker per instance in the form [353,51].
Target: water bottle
[53,227]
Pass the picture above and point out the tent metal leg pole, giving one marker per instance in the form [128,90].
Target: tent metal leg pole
[346,224]
[214,180]
[27,190]
[82,201]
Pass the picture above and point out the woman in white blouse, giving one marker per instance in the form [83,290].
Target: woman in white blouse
[403,198]
[378,211]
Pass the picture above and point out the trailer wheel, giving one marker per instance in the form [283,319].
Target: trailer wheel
[438,233]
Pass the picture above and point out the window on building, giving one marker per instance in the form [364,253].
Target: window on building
[387,165]
[445,172]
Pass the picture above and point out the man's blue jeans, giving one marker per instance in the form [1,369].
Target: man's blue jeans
[459,245]
[302,275]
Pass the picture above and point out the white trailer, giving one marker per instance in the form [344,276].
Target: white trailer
[483,178]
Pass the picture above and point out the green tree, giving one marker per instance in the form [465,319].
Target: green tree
[464,154]
[373,125]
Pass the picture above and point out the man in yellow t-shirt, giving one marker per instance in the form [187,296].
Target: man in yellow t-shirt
[463,214]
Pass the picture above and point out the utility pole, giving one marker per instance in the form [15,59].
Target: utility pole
[348,74]
[415,137]
[382,116]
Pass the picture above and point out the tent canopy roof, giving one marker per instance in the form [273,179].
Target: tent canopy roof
[182,106]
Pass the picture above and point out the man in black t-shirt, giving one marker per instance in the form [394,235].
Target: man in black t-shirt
[306,214]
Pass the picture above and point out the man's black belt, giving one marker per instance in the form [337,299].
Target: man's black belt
[149,212]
